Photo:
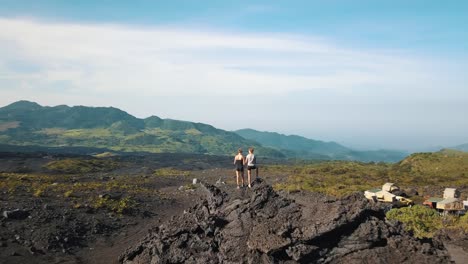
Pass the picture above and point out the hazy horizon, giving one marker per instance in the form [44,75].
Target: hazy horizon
[365,74]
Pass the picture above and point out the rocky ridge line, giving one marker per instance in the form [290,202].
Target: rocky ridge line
[265,227]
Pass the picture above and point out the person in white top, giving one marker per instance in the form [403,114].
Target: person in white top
[251,162]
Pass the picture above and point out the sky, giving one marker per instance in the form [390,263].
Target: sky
[366,74]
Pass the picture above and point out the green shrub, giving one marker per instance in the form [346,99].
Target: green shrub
[122,206]
[420,220]
[464,222]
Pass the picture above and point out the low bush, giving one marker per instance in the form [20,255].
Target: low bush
[420,220]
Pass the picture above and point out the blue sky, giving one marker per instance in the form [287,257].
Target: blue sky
[368,74]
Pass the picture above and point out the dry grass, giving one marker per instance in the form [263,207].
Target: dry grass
[78,166]
[340,178]
[8,125]
[171,172]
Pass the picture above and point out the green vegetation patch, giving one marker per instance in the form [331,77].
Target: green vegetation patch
[86,133]
[420,220]
[340,178]
[424,222]
[76,166]
[445,163]
[36,184]
[113,129]
[120,206]
[171,172]
[193,132]
[331,178]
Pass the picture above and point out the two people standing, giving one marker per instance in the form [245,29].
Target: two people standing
[240,161]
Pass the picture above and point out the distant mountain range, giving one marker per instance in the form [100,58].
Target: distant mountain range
[463,147]
[25,123]
[304,148]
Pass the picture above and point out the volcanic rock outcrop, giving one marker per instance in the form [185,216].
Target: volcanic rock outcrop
[265,227]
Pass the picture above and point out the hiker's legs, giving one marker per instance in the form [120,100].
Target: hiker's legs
[237,178]
[242,178]
[249,173]
[256,172]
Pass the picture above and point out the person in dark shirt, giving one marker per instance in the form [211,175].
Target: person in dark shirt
[239,161]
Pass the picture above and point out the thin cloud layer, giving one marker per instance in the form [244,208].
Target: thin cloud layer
[104,58]
[294,84]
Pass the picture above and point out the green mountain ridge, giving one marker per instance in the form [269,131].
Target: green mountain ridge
[33,116]
[25,123]
[304,148]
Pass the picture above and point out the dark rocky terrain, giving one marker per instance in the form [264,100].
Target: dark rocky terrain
[144,209]
[264,227]
[41,223]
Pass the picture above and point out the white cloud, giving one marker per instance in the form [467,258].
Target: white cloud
[297,84]
[104,58]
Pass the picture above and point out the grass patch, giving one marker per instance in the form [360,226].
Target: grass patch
[424,222]
[40,192]
[82,165]
[87,133]
[83,192]
[170,172]
[340,178]
[122,206]
[193,132]
[32,183]
[331,178]
[68,194]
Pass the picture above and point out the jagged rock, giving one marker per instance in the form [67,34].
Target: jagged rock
[16,214]
[265,227]
[455,236]
[33,251]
